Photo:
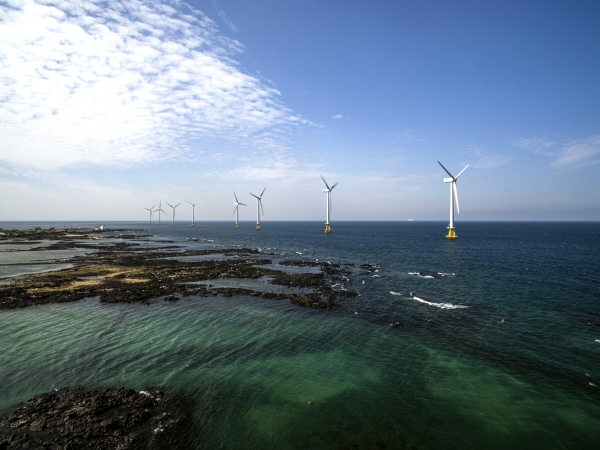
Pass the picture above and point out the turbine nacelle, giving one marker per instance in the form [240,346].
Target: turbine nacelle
[448,180]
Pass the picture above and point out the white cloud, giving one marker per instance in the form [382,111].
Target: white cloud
[276,166]
[337,116]
[579,151]
[121,82]
[535,144]
[225,18]
[488,160]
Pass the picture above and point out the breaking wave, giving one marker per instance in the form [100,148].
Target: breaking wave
[437,305]
[422,275]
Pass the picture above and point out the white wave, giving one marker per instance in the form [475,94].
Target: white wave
[437,305]
[597,340]
[418,274]
[446,274]
[376,276]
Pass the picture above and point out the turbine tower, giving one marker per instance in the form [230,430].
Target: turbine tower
[193,213]
[173,223]
[258,204]
[328,191]
[159,210]
[150,210]
[453,193]
[237,207]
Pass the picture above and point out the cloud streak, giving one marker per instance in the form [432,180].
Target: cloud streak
[488,160]
[118,83]
[578,152]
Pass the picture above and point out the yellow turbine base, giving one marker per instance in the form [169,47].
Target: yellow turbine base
[258,226]
[193,224]
[236,225]
[451,234]
[327,228]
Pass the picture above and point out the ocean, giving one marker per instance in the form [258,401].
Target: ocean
[488,341]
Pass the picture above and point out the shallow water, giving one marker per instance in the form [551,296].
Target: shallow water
[517,367]
[7,271]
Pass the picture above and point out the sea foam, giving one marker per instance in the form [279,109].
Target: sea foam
[419,274]
[437,305]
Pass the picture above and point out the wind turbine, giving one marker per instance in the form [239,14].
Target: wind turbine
[150,209]
[173,223]
[159,210]
[237,207]
[328,191]
[258,203]
[453,193]
[193,213]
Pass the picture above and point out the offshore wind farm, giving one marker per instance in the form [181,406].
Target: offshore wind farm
[361,307]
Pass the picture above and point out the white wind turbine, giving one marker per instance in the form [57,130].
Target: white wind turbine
[237,207]
[173,223]
[193,213]
[453,193]
[328,191]
[258,204]
[159,210]
[150,210]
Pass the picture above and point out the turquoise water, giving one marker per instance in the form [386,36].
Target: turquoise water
[502,351]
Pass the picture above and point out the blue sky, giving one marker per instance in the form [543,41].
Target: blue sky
[108,107]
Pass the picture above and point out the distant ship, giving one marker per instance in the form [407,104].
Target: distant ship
[409,220]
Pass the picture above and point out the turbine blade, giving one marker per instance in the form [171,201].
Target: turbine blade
[456,196]
[462,171]
[253,195]
[261,208]
[169,204]
[235,210]
[446,170]
[325,182]
[236,200]
[243,204]
[333,186]
[177,205]
[263,192]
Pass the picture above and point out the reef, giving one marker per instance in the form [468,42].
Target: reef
[79,418]
[57,234]
[126,272]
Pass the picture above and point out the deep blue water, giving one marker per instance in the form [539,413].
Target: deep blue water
[496,343]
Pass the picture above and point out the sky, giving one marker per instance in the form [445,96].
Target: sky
[108,107]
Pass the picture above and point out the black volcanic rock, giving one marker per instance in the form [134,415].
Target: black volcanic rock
[89,419]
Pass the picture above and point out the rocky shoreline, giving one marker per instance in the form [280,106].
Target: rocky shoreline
[79,418]
[124,272]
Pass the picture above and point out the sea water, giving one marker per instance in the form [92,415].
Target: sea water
[488,341]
